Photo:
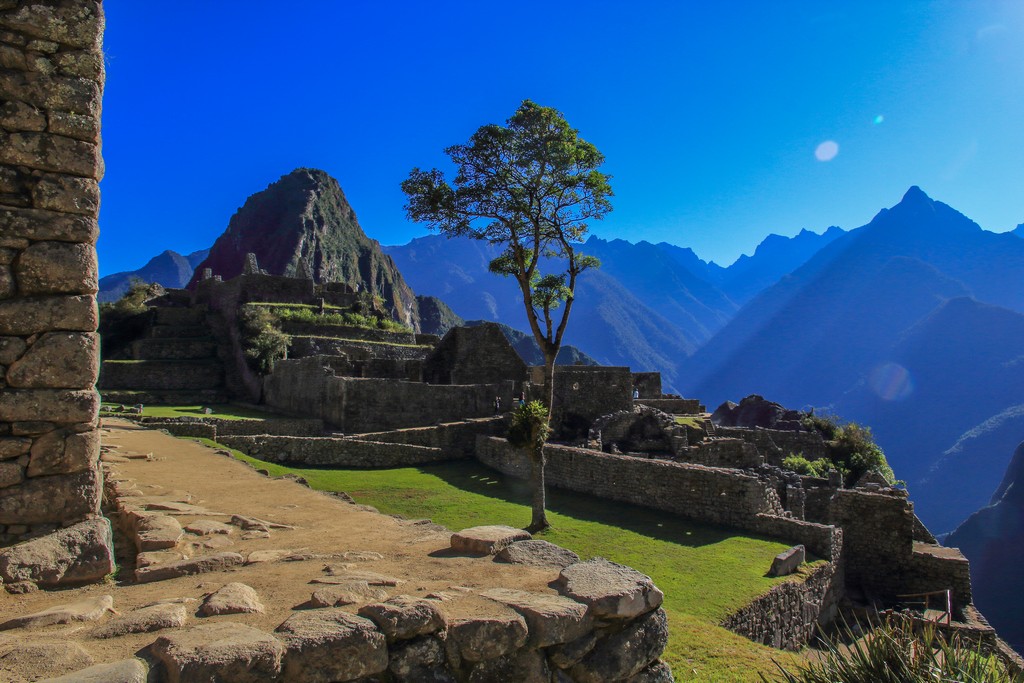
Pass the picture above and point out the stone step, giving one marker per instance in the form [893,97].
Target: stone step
[197,348]
[180,316]
[179,397]
[161,374]
[179,331]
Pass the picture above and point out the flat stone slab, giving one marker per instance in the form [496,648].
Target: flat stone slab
[208,527]
[788,561]
[126,671]
[345,573]
[404,617]
[551,619]
[81,553]
[256,524]
[537,554]
[90,609]
[486,540]
[257,556]
[177,508]
[144,620]
[152,557]
[29,660]
[196,565]
[232,598]
[610,590]
[486,637]
[157,532]
[331,645]
[351,593]
[221,651]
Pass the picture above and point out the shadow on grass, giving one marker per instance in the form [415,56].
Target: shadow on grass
[473,477]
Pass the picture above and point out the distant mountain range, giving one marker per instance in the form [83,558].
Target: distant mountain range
[168,268]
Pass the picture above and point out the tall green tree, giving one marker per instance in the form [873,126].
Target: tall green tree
[531,186]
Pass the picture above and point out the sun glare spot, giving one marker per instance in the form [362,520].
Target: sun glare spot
[827,150]
[878,119]
[891,382]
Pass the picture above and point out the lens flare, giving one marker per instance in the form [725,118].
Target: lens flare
[878,119]
[827,150]
[891,382]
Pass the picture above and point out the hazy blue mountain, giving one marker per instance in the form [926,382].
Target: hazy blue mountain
[775,257]
[993,541]
[168,268]
[1018,231]
[840,331]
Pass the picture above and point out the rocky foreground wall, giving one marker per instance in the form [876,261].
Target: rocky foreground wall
[51,84]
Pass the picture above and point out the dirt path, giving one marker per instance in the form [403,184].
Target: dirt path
[414,553]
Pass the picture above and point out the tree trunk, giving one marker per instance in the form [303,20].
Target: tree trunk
[539,519]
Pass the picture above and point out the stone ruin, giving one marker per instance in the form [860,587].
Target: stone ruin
[50,166]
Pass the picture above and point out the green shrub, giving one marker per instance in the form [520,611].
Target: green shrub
[851,449]
[338,317]
[895,652]
[811,468]
[529,428]
[125,320]
[263,342]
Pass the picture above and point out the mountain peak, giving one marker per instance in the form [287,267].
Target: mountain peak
[915,196]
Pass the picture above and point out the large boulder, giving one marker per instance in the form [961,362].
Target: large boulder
[82,553]
[611,590]
[551,619]
[222,651]
[144,620]
[537,554]
[756,411]
[232,598]
[88,609]
[403,617]
[626,653]
[487,540]
[328,645]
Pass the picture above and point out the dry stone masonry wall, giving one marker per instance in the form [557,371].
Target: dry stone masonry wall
[51,83]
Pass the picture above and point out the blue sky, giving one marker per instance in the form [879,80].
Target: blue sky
[709,114]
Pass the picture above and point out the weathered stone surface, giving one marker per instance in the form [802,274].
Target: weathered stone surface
[657,672]
[551,619]
[232,598]
[82,553]
[27,660]
[788,561]
[258,556]
[58,360]
[144,620]
[12,447]
[152,557]
[525,666]
[89,609]
[256,524]
[419,660]
[57,268]
[206,527]
[564,656]
[36,224]
[11,349]
[344,574]
[60,452]
[156,532]
[78,24]
[67,194]
[52,500]
[221,651]
[484,540]
[351,593]
[538,554]
[6,282]
[609,589]
[58,405]
[625,653]
[403,617]
[331,645]
[78,126]
[11,473]
[54,153]
[486,637]
[195,565]
[126,671]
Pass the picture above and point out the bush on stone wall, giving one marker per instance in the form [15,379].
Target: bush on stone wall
[851,450]
[124,320]
[264,343]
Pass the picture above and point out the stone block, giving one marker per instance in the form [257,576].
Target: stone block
[57,405]
[524,666]
[78,554]
[55,153]
[57,500]
[144,620]
[404,617]
[232,598]
[11,349]
[538,554]
[626,653]
[57,268]
[58,360]
[551,619]
[11,473]
[21,116]
[487,540]
[76,24]
[67,194]
[6,282]
[486,637]
[331,645]
[58,452]
[195,565]
[125,671]
[421,659]
[611,590]
[14,446]
[81,63]
[88,609]
[788,561]
[37,224]
[222,651]
[156,532]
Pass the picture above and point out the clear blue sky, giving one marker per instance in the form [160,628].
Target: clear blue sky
[709,113]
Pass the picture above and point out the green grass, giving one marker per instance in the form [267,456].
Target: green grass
[705,572]
[223,412]
[694,421]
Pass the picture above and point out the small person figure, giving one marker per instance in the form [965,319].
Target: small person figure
[522,398]
[636,393]
[497,404]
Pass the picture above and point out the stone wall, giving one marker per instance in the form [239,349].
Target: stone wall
[474,355]
[877,537]
[732,453]
[776,444]
[453,437]
[335,452]
[223,427]
[675,406]
[648,384]
[161,375]
[51,83]
[584,393]
[346,332]
[308,386]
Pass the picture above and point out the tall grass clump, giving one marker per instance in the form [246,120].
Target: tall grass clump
[896,652]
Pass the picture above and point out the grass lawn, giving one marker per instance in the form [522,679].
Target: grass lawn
[694,421]
[705,572]
[222,411]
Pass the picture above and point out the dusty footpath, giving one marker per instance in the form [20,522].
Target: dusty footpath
[295,548]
